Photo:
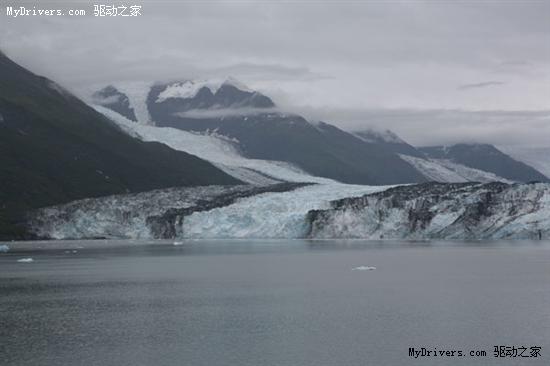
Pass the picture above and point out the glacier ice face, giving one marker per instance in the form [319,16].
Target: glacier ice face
[275,211]
[155,214]
[425,211]
[117,216]
[269,215]
[440,211]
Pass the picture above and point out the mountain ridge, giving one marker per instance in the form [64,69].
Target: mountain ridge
[488,158]
[254,126]
[266,133]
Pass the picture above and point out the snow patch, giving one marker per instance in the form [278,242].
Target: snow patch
[443,170]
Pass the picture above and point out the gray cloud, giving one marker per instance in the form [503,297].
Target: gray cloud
[224,112]
[435,127]
[270,72]
[351,62]
[480,85]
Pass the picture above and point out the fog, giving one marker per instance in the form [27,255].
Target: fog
[433,72]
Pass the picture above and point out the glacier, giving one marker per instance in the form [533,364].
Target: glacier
[440,211]
[156,214]
[280,215]
[444,170]
[137,92]
[246,211]
[219,150]
[298,210]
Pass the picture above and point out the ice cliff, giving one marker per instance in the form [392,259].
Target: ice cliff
[439,211]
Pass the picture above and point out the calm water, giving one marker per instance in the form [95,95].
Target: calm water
[272,303]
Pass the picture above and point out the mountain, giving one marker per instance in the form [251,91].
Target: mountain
[54,148]
[388,140]
[189,95]
[262,137]
[261,131]
[439,211]
[537,157]
[438,170]
[457,163]
[487,158]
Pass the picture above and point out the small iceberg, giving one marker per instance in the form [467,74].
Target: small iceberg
[4,248]
[178,243]
[363,268]
[25,260]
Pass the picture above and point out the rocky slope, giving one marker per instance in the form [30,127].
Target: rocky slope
[439,211]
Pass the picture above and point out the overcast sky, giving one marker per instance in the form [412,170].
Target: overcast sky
[432,71]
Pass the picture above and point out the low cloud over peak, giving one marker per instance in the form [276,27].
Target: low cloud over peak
[480,85]
[354,58]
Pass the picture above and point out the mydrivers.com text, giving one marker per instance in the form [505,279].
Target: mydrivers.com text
[97,10]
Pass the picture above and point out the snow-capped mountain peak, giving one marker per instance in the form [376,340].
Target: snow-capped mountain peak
[188,89]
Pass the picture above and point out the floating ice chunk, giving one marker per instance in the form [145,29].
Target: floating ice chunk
[25,260]
[178,243]
[363,268]
[4,248]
